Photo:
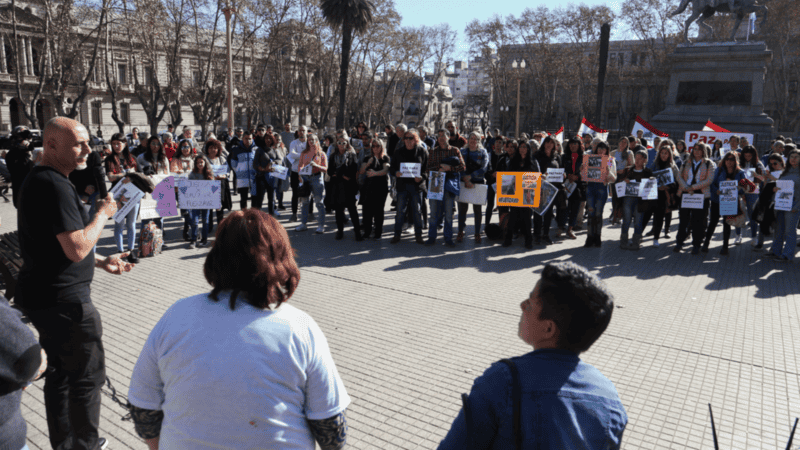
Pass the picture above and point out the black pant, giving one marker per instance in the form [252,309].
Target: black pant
[294,181]
[70,334]
[351,208]
[712,226]
[520,217]
[541,225]
[373,210]
[490,198]
[696,220]
[477,213]
[263,188]
[660,215]
[243,193]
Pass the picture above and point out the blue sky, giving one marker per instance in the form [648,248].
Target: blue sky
[458,13]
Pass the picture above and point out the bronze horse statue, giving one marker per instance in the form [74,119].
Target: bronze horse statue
[703,9]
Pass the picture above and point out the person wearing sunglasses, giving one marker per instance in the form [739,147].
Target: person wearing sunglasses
[728,170]
[784,244]
[409,190]
[342,169]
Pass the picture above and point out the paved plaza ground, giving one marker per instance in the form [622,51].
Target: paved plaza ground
[410,327]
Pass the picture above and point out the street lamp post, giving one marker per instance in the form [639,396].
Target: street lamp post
[228,10]
[518,68]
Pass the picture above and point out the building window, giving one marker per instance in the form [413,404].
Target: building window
[196,78]
[634,59]
[149,76]
[122,70]
[97,113]
[125,113]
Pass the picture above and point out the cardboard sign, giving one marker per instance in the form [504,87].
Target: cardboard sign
[595,168]
[648,189]
[620,187]
[220,170]
[436,185]
[709,137]
[549,193]
[555,175]
[692,201]
[127,196]
[664,177]
[519,188]
[199,194]
[410,170]
[785,196]
[474,196]
[728,198]
[280,172]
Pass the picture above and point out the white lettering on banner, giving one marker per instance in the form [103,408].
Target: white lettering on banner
[555,175]
[709,137]
[692,201]
[199,194]
[410,170]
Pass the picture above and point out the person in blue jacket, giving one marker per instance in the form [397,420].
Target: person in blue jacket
[548,399]
[476,159]
[728,170]
[242,160]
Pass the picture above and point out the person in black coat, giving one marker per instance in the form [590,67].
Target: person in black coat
[548,158]
[522,161]
[18,159]
[572,162]
[343,169]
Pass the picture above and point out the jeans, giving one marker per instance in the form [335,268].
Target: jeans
[318,191]
[70,333]
[596,198]
[195,216]
[442,210]
[129,223]
[490,198]
[750,200]
[785,241]
[408,195]
[631,214]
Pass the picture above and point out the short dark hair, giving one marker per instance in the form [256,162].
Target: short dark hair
[578,303]
[252,254]
[443,130]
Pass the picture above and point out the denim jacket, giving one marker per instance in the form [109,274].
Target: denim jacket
[721,175]
[477,163]
[566,403]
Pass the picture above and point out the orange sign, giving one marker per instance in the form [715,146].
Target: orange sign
[522,189]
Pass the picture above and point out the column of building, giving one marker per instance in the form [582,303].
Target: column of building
[3,68]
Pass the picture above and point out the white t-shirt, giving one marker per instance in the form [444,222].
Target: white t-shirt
[242,379]
[295,148]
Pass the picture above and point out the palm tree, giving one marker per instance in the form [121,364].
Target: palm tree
[352,16]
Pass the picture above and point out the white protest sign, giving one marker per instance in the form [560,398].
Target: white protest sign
[570,186]
[692,201]
[785,196]
[709,137]
[475,195]
[436,185]
[549,193]
[307,170]
[649,190]
[127,195]
[280,172]
[410,170]
[555,175]
[728,198]
[220,170]
[664,177]
[199,194]
[775,173]
[620,187]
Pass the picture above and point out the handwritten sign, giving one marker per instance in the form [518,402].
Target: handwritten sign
[199,194]
[785,196]
[280,172]
[410,170]
[220,170]
[519,188]
[728,198]
[162,202]
[692,201]
[555,175]
[127,196]
[436,185]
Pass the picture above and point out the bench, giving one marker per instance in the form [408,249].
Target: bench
[11,260]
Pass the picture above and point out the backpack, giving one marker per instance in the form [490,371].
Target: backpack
[151,241]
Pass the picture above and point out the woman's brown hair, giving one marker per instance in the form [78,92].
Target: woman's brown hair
[252,254]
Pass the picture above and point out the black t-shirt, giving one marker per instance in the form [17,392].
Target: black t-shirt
[50,205]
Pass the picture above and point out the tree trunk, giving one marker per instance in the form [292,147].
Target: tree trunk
[347,41]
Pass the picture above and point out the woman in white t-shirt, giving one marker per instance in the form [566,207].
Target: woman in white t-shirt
[236,368]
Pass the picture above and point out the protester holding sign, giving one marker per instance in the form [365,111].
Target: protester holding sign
[696,177]
[662,169]
[183,162]
[119,163]
[312,163]
[572,161]
[728,170]
[548,158]
[409,190]
[498,144]
[520,216]
[343,172]
[597,195]
[784,243]
[215,158]
[375,189]
[442,210]
[631,208]
[154,162]
[476,159]
[262,163]
[752,167]
[201,171]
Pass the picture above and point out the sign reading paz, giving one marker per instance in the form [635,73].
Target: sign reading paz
[199,194]
[519,188]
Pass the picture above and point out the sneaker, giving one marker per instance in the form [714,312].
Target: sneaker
[294,218]
[192,244]
[738,240]
[302,227]
[202,243]
[320,230]
[102,443]
[430,242]
[276,214]
[695,250]
[655,242]
[547,241]
[782,259]
[339,235]
[132,258]
[758,246]
[450,244]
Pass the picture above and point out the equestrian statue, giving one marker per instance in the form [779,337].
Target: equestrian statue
[703,9]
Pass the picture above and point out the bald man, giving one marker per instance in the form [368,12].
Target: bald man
[57,238]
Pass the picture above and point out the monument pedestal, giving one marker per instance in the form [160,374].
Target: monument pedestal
[720,81]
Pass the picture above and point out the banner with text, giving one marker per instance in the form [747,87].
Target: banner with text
[709,137]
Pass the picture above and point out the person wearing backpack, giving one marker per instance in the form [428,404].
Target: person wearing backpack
[557,401]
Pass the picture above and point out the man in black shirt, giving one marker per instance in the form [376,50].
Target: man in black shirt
[57,237]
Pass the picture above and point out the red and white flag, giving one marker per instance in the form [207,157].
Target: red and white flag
[595,131]
[559,135]
[649,132]
[710,126]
